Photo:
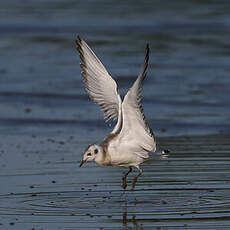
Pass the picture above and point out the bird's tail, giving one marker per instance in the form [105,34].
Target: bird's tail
[165,153]
[159,154]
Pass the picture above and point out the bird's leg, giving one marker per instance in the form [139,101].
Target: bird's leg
[124,183]
[135,178]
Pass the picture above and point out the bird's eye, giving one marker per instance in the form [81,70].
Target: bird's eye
[96,151]
[89,154]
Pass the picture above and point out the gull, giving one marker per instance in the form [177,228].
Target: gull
[132,141]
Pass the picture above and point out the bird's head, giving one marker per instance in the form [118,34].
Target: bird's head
[92,152]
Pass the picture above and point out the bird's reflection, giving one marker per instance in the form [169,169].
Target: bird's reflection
[126,220]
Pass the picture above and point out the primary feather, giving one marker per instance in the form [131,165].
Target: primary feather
[100,86]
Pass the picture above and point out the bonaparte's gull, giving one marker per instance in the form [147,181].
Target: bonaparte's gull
[132,141]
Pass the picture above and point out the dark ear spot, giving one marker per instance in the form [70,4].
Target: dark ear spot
[96,151]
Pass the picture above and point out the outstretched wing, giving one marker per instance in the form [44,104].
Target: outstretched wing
[100,86]
[135,131]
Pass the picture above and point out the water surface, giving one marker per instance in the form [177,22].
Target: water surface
[47,119]
[44,188]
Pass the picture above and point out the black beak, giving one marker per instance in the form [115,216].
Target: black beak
[82,162]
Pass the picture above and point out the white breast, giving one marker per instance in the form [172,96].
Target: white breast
[124,158]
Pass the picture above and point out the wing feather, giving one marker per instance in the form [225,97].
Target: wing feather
[135,130]
[100,86]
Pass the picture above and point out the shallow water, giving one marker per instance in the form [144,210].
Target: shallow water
[47,119]
[45,189]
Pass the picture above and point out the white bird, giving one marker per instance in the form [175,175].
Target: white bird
[132,141]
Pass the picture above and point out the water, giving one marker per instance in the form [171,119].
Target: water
[47,119]
[45,189]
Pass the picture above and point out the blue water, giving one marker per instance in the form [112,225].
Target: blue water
[188,83]
[47,119]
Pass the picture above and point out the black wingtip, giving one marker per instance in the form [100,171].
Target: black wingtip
[146,56]
[147,48]
[147,52]
[78,40]
[78,43]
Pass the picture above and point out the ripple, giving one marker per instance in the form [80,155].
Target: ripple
[161,205]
